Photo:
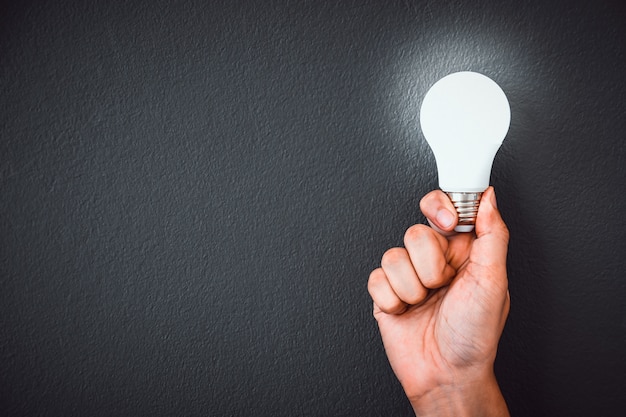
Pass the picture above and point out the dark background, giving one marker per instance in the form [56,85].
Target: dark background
[193,194]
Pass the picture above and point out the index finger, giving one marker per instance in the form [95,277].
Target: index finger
[439,211]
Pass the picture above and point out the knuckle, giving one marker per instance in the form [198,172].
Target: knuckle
[429,199]
[416,297]
[393,256]
[375,278]
[434,279]
[431,282]
[505,232]
[394,307]
[502,234]
[415,233]
[381,295]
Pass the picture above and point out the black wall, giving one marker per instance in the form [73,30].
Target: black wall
[193,194]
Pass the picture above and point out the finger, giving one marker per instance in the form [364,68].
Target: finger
[427,250]
[383,295]
[487,259]
[402,277]
[439,211]
[491,232]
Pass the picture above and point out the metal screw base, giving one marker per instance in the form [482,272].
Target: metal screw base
[466,205]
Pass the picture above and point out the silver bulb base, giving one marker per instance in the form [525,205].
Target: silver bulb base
[466,205]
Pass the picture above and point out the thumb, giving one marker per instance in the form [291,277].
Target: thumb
[492,235]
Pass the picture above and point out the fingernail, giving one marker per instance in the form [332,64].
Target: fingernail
[445,218]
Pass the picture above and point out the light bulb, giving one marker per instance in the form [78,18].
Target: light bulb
[465,117]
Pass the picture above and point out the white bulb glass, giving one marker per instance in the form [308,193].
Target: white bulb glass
[465,116]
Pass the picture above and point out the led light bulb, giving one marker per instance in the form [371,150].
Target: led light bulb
[465,117]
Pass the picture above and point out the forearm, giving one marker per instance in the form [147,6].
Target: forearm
[478,397]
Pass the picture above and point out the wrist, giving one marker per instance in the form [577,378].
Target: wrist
[468,396]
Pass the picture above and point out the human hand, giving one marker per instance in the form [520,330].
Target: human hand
[441,304]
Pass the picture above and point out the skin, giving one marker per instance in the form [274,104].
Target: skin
[441,303]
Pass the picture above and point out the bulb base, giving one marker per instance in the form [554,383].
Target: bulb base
[466,205]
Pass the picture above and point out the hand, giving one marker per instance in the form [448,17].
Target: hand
[441,304]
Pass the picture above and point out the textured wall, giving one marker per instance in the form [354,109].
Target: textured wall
[193,193]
